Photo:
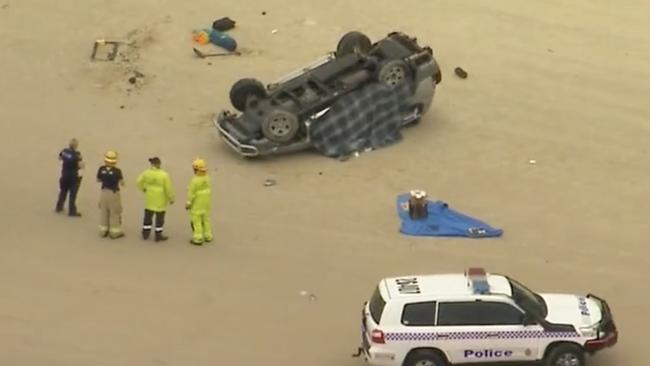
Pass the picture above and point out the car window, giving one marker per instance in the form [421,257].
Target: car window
[497,313]
[419,314]
[458,313]
[478,313]
[376,306]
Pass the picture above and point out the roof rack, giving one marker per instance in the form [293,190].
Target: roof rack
[477,280]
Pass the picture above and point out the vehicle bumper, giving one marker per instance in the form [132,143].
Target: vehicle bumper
[607,331]
[220,122]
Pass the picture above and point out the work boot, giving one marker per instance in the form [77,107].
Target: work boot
[193,242]
[74,214]
[160,237]
[145,234]
[116,236]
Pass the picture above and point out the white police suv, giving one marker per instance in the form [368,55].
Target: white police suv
[476,317]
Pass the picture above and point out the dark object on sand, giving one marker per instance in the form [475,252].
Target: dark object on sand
[200,54]
[223,24]
[460,73]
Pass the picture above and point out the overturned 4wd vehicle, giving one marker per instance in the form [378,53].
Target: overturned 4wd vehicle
[356,98]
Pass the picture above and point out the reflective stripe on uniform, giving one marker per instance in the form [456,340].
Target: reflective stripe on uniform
[147,227]
[159,229]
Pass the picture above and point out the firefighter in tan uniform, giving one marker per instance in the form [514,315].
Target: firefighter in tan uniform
[110,202]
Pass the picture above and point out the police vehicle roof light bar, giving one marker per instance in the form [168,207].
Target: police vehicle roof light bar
[477,279]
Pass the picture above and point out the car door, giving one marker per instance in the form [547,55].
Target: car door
[486,331]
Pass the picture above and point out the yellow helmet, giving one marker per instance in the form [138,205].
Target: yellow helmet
[110,157]
[199,165]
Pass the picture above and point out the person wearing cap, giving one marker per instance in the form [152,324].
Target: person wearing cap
[198,203]
[110,201]
[157,187]
[71,166]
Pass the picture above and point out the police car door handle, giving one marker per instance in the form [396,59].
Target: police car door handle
[492,335]
[442,335]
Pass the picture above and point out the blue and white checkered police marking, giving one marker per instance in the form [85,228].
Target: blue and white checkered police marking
[431,336]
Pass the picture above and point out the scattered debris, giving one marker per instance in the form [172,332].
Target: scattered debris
[460,73]
[201,54]
[205,36]
[344,158]
[121,107]
[209,63]
[263,13]
[171,118]
[320,173]
[532,162]
[274,31]
[549,50]
[223,24]
[136,75]
[5,6]
[269,182]
[311,296]
[110,47]
[356,154]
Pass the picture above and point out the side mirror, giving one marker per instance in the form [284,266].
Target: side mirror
[528,320]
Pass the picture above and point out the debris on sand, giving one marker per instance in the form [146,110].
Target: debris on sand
[532,162]
[460,73]
[269,182]
[223,24]
[310,296]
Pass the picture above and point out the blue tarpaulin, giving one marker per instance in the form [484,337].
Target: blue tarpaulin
[442,221]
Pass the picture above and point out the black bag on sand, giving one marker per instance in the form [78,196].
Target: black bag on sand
[223,24]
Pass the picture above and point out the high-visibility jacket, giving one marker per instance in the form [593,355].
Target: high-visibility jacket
[199,194]
[157,187]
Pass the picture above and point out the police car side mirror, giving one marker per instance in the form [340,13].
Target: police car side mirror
[528,320]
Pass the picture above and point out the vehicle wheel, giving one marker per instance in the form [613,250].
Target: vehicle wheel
[243,89]
[393,73]
[353,42]
[425,358]
[565,355]
[280,126]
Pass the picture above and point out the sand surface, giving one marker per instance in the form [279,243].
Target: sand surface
[560,82]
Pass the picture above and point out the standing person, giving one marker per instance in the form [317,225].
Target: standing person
[157,187]
[110,201]
[199,196]
[71,164]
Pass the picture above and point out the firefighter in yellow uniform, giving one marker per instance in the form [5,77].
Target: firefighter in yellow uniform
[110,202]
[198,203]
[158,191]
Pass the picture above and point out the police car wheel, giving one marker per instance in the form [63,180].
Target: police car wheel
[425,358]
[565,355]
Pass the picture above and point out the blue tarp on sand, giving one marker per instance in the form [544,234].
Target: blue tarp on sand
[442,221]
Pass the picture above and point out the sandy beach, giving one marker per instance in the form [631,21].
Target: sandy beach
[561,83]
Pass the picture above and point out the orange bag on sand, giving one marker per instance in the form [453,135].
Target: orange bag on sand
[201,37]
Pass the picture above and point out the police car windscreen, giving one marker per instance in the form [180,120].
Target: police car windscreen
[527,299]
[376,306]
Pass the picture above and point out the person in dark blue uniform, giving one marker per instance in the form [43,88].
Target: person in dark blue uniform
[71,164]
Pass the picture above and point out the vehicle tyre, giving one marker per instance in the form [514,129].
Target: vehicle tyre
[243,89]
[353,42]
[425,358]
[280,126]
[565,355]
[393,73]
